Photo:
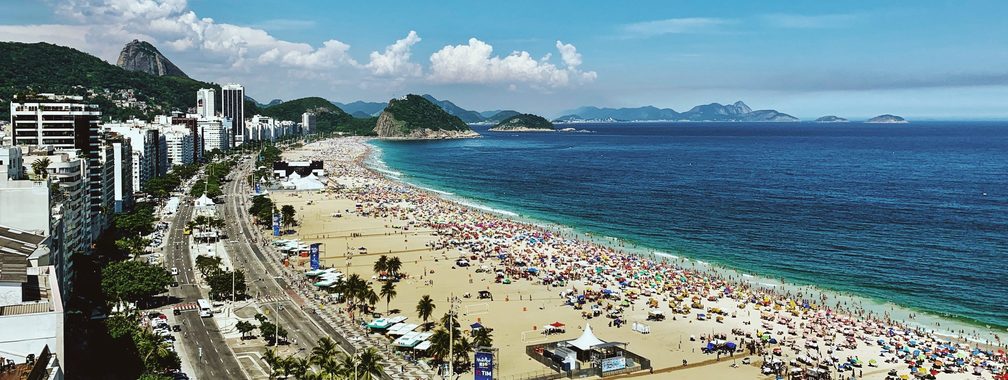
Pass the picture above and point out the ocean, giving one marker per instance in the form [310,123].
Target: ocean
[913,214]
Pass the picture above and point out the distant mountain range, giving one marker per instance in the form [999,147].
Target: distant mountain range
[362,108]
[737,111]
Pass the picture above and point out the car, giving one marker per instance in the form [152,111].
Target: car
[174,284]
[176,328]
[176,312]
[174,271]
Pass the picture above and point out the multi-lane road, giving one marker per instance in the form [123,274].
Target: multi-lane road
[205,347]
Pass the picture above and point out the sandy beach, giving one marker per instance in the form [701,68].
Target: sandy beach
[535,276]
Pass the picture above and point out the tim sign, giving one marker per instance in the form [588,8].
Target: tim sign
[483,366]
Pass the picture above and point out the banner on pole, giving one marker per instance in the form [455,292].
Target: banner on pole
[276,224]
[314,255]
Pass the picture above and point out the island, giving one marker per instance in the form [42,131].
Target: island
[887,119]
[525,122]
[831,119]
[413,117]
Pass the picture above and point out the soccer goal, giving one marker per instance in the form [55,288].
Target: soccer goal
[533,336]
[477,309]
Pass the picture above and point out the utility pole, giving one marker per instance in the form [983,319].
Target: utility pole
[451,339]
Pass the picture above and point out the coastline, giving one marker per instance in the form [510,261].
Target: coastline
[408,220]
[942,325]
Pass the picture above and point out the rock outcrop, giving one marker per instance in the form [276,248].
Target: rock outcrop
[887,119]
[144,57]
[389,127]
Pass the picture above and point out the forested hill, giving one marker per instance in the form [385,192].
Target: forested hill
[328,117]
[43,67]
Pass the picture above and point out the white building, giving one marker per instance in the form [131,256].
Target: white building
[31,303]
[145,141]
[215,133]
[205,103]
[122,171]
[307,123]
[62,122]
[233,107]
[179,142]
[11,162]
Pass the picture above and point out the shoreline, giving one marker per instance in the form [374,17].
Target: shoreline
[922,318]
[428,229]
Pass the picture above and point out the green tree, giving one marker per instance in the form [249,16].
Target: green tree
[287,214]
[207,265]
[381,265]
[155,354]
[133,281]
[370,363]
[425,308]
[244,327]
[273,361]
[483,337]
[388,292]
[132,246]
[40,167]
[393,266]
[221,283]
[440,341]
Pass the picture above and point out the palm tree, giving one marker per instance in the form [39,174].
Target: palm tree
[439,344]
[272,360]
[425,308]
[370,363]
[462,347]
[298,367]
[483,337]
[393,266]
[40,167]
[325,348]
[381,265]
[452,318]
[388,292]
[371,297]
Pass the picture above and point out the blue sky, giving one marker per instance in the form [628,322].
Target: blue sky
[922,59]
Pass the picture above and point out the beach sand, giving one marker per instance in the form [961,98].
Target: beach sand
[518,310]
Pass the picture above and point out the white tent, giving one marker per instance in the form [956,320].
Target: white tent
[587,340]
[203,201]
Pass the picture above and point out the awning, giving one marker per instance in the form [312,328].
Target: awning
[423,346]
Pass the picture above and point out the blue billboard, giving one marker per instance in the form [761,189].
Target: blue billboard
[313,257]
[483,366]
[276,224]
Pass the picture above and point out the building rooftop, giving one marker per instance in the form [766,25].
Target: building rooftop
[15,248]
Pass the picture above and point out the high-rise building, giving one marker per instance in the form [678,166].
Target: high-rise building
[180,146]
[233,107]
[215,134]
[307,123]
[144,140]
[205,103]
[122,171]
[11,162]
[63,122]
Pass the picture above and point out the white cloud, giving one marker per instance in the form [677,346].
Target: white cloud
[797,21]
[674,26]
[395,61]
[474,62]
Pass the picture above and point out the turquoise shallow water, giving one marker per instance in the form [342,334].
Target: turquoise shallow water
[914,214]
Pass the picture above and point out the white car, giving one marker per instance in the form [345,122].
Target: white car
[174,271]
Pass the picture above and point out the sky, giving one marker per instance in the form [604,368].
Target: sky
[854,59]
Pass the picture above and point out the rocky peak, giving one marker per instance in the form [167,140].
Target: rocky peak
[144,57]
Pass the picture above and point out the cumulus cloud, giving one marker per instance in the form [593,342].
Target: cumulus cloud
[170,23]
[474,62]
[395,61]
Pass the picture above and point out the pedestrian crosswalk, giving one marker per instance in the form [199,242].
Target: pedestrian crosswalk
[185,306]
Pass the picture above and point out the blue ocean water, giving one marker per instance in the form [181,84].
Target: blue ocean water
[916,214]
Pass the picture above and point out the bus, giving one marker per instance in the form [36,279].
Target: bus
[204,308]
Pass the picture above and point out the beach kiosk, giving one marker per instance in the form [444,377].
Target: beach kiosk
[588,356]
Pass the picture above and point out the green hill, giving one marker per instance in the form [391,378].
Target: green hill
[328,117]
[42,67]
[415,117]
[524,122]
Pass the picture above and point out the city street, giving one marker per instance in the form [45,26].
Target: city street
[205,349]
